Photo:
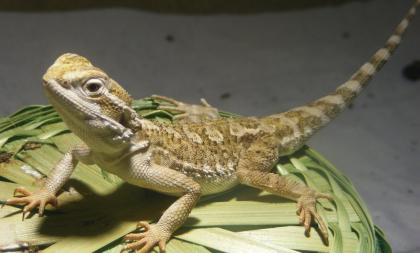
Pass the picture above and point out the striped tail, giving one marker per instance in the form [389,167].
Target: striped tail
[297,125]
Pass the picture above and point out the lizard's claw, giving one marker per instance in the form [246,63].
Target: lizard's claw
[306,209]
[32,200]
[194,113]
[151,236]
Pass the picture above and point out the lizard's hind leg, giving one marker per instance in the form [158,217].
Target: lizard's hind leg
[188,112]
[254,169]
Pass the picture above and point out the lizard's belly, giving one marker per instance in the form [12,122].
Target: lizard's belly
[217,185]
[211,180]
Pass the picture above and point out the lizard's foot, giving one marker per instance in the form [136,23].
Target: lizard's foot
[32,200]
[193,113]
[306,210]
[144,242]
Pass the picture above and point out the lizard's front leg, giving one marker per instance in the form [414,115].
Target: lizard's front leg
[165,180]
[57,178]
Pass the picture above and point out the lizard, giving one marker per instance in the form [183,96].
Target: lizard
[191,157]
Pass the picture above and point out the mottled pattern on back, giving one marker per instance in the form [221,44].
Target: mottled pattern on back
[206,150]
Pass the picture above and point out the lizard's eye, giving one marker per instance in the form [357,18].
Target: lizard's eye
[94,86]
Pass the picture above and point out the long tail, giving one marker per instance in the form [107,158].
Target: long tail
[297,125]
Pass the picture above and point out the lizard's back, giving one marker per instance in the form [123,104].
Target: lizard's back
[208,152]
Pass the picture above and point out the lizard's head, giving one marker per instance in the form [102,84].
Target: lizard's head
[88,100]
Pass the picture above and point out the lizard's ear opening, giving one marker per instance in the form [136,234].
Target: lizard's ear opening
[118,91]
[129,117]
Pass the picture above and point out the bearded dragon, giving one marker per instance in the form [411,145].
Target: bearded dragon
[189,158]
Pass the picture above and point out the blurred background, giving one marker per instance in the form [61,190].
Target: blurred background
[252,58]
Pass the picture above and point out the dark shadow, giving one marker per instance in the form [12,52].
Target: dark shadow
[171,6]
[92,215]
[243,193]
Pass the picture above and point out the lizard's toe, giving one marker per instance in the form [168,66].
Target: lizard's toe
[306,209]
[22,191]
[142,245]
[144,242]
[143,224]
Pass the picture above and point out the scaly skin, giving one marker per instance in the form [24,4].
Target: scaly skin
[199,155]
